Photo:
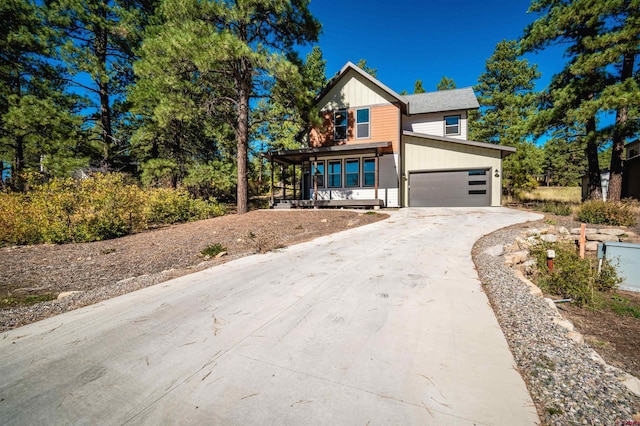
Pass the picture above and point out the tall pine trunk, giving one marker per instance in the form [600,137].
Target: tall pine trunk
[100,49]
[243,84]
[614,192]
[595,184]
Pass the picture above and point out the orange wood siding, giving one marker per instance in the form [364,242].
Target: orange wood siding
[384,127]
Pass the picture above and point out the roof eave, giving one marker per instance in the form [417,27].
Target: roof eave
[504,150]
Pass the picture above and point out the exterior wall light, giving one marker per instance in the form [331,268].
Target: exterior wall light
[497,174]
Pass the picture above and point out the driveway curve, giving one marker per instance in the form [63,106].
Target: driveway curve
[382,324]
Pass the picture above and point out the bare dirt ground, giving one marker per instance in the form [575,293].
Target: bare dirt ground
[615,337]
[32,275]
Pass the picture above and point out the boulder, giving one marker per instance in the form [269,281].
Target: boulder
[549,238]
[602,237]
[516,257]
[576,337]
[495,251]
[592,245]
[576,231]
[67,294]
[563,231]
[566,324]
[612,231]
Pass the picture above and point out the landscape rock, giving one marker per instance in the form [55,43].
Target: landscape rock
[602,237]
[576,337]
[592,245]
[67,294]
[495,251]
[563,231]
[576,231]
[564,323]
[222,253]
[549,238]
[516,257]
[615,232]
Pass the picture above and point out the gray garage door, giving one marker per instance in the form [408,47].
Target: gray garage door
[455,188]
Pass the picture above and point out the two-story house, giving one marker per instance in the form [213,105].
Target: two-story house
[379,148]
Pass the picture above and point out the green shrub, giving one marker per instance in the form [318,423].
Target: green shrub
[606,213]
[212,250]
[101,207]
[573,277]
[557,208]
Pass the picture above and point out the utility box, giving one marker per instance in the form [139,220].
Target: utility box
[626,258]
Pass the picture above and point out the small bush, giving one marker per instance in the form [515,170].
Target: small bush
[212,250]
[557,208]
[606,213]
[573,277]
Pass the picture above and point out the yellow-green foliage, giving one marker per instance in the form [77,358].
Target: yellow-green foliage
[101,207]
[607,213]
[566,194]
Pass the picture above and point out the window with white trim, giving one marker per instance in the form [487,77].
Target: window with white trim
[352,172]
[340,123]
[334,175]
[362,123]
[318,173]
[452,125]
[368,172]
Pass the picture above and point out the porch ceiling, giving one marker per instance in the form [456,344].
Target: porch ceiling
[298,156]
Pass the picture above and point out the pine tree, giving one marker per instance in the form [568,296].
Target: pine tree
[38,127]
[230,52]
[446,83]
[507,103]
[602,39]
[97,45]
[362,64]
[417,87]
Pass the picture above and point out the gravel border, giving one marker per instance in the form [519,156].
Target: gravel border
[568,381]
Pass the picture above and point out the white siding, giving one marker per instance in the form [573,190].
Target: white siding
[433,123]
[387,184]
[424,154]
[353,91]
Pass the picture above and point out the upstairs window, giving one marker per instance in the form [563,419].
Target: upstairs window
[362,123]
[340,125]
[452,125]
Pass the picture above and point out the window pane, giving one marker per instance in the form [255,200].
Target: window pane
[477,172]
[477,182]
[363,130]
[340,118]
[363,115]
[369,172]
[452,120]
[477,191]
[340,133]
[335,174]
[352,172]
[319,173]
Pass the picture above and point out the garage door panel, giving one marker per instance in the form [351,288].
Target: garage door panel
[467,188]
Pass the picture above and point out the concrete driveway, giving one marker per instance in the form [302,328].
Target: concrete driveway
[384,324]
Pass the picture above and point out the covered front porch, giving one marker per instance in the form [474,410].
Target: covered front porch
[335,176]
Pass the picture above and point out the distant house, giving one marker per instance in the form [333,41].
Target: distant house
[378,148]
[630,175]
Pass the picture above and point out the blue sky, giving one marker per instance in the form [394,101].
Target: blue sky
[428,39]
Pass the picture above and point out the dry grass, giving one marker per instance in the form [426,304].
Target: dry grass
[565,194]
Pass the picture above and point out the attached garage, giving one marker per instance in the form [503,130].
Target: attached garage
[448,172]
[450,188]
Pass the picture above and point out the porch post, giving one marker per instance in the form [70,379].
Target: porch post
[294,183]
[273,201]
[284,182]
[315,180]
[377,177]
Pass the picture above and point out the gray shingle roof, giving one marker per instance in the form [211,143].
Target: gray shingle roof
[444,100]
